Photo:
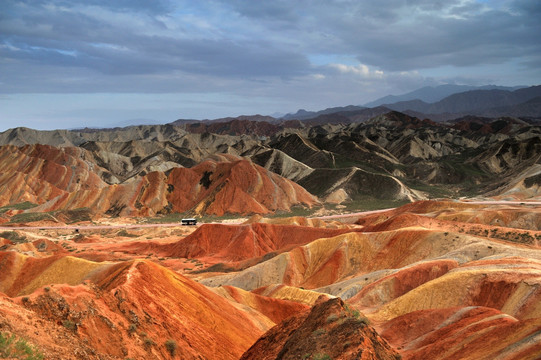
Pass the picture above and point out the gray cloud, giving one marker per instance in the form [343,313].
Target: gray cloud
[364,49]
[399,35]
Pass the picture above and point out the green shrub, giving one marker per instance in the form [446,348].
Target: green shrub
[148,342]
[17,348]
[13,236]
[70,325]
[322,357]
[132,328]
[171,346]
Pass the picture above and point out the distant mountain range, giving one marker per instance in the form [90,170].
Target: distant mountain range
[451,103]
[303,114]
[432,94]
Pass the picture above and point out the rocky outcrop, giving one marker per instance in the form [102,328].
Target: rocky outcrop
[357,184]
[281,164]
[330,330]
[440,159]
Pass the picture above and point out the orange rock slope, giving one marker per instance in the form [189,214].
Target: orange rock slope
[67,178]
[130,309]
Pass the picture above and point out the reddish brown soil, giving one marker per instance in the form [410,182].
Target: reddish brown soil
[233,187]
[276,310]
[397,284]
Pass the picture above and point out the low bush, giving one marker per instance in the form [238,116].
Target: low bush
[171,346]
[13,347]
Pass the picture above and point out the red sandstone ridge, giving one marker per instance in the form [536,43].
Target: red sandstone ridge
[242,242]
[69,178]
[130,309]
[233,187]
[330,330]
[276,310]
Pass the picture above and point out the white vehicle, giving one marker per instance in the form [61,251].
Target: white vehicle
[190,221]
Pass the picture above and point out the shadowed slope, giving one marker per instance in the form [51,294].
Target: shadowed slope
[275,309]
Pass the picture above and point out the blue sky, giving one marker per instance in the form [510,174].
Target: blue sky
[100,63]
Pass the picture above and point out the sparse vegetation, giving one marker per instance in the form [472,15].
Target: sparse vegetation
[322,357]
[70,325]
[20,206]
[171,346]
[13,347]
[148,343]
[331,318]
[75,215]
[13,236]
[356,314]
[369,203]
[296,211]
[31,217]
[68,216]
[125,233]
[319,332]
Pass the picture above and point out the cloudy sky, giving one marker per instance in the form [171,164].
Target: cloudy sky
[98,63]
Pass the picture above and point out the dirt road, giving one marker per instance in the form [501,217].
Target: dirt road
[232,222]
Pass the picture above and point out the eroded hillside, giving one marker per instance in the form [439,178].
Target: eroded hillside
[95,265]
[145,170]
[426,280]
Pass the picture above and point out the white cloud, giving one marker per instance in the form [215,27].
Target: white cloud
[360,70]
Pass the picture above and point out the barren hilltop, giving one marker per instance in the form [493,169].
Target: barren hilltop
[354,234]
